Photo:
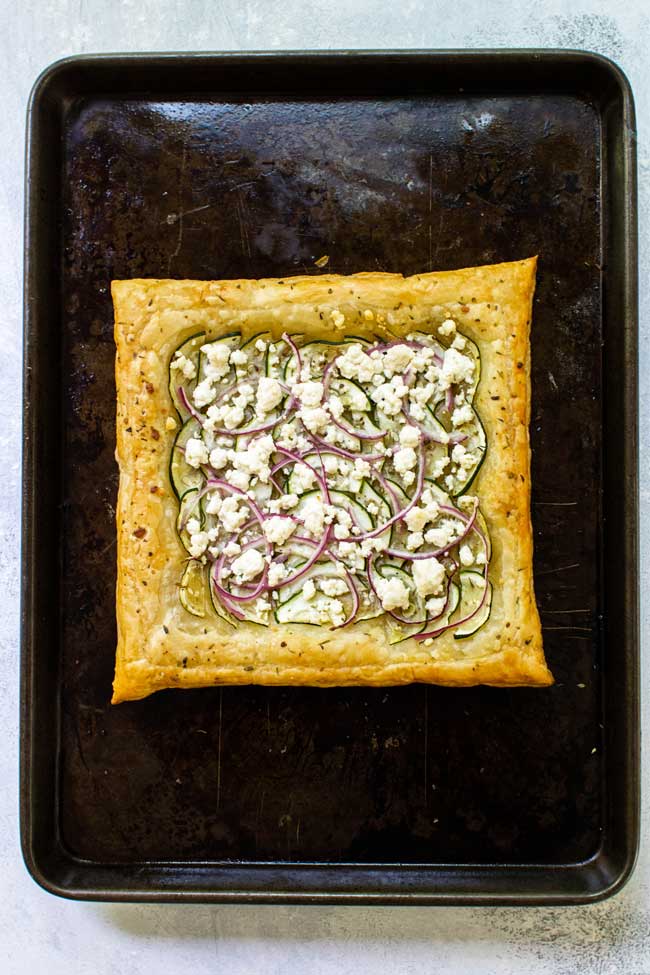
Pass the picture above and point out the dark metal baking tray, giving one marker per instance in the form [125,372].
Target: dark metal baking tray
[246,165]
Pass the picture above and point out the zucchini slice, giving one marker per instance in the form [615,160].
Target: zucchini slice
[191,349]
[473,585]
[297,609]
[190,507]
[192,588]
[181,475]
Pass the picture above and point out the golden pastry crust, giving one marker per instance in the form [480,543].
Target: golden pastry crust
[162,645]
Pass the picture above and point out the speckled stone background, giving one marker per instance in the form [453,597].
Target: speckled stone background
[39,933]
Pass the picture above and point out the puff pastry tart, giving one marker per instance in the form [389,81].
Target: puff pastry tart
[325,480]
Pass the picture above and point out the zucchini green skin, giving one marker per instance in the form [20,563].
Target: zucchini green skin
[191,349]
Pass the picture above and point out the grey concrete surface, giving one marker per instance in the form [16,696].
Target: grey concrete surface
[39,933]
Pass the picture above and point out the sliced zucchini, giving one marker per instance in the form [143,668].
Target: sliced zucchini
[320,570]
[352,395]
[476,443]
[192,588]
[232,340]
[181,475]
[432,425]
[276,359]
[399,491]
[368,495]
[249,344]
[472,352]
[362,518]
[320,348]
[297,609]
[402,631]
[220,610]
[473,585]
[341,499]
[190,507]
[482,526]
[191,350]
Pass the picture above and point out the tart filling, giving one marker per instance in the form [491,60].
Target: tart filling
[327,483]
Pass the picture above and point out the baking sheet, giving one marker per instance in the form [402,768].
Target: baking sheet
[258,166]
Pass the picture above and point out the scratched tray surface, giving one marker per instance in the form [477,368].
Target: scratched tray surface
[239,189]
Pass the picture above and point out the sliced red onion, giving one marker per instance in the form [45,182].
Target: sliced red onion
[469,526]
[294,348]
[423,430]
[354,592]
[449,626]
[318,551]
[390,612]
[400,514]
[182,395]
[297,459]
[341,451]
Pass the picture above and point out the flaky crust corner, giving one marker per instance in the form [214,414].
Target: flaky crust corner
[161,645]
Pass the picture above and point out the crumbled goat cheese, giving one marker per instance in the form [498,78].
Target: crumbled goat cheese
[315,418]
[466,555]
[461,415]
[238,357]
[355,364]
[239,479]
[219,458]
[405,459]
[392,593]
[198,544]
[309,589]
[218,356]
[283,503]
[254,460]
[185,365]
[409,436]
[414,541]
[233,416]
[303,477]
[416,519]
[439,467]
[277,572]
[231,516]
[269,394]
[388,397]
[435,606]
[196,452]
[313,517]
[397,360]
[439,537]
[448,327]
[214,503]
[456,368]
[278,529]
[428,576]
[204,393]
[248,565]
[310,393]
[332,587]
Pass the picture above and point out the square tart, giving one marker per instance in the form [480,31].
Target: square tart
[161,644]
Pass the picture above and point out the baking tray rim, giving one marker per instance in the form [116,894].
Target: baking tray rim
[613,872]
